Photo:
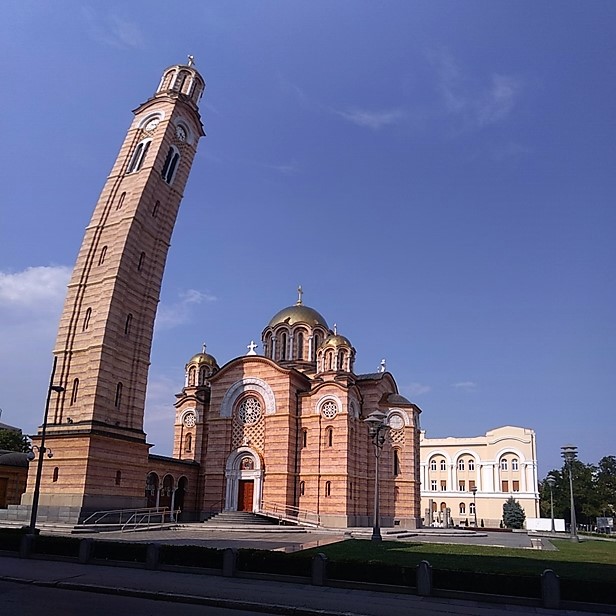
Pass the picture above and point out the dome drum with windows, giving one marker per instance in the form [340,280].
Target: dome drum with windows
[199,368]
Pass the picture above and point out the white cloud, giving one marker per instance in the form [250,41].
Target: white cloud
[113,30]
[465,386]
[35,288]
[371,119]
[180,312]
[417,389]
[477,105]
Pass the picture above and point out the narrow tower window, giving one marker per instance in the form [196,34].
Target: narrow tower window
[302,488]
[75,391]
[86,319]
[136,161]
[188,446]
[330,437]
[56,472]
[328,488]
[101,258]
[155,209]
[300,346]
[171,162]
[128,325]
[141,261]
[304,437]
[396,462]
[118,395]
[283,346]
[121,201]
[118,479]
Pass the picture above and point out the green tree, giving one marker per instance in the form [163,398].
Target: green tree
[606,485]
[13,440]
[513,513]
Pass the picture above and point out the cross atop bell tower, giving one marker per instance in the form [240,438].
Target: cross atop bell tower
[105,335]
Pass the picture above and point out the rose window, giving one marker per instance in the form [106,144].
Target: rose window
[190,420]
[249,411]
[329,409]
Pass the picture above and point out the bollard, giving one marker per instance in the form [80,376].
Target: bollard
[319,570]
[152,556]
[85,550]
[424,578]
[229,562]
[26,547]
[550,589]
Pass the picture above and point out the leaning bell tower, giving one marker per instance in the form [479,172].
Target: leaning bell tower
[95,427]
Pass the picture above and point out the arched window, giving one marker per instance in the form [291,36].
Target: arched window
[56,472]
[503,464]
[118,479]
[316,340]
[118,395]
[75,391]
[328,488]
[460,465]
[181,81]
[141,261]
[192,373]
[433,464]
[300,345]
[342,360]
[396,462]
[170,165]
[128,324]
[267,347]
[471,508]
[86,319]
[302,488]
[120,202]
[471,464]
[136,162]
[283,346]
[462,508]
[443,465]
[329,437]
[155,209]
[103,254]
[304,437]
[203,374]
[514,464]
[188,443]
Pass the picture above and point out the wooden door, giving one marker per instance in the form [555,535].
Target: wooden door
[245,495]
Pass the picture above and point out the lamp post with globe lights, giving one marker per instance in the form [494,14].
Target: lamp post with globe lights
[569,453]
[377,429]
[551,481]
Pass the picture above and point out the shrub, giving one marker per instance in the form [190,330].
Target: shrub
[122,550]
[513,514]
[494,584]
[263,561]
[10,538]
[191,556]
[57,546]
[372,571]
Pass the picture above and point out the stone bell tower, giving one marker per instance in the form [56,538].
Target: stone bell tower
[95,427]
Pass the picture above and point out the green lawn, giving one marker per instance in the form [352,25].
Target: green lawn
[587,561]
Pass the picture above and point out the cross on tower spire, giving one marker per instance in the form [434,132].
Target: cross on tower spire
[300,293]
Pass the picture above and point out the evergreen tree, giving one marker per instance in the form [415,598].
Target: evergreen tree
[513,514]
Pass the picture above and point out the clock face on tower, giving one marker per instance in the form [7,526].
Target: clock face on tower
[152,124]
[180,133]
[396,422]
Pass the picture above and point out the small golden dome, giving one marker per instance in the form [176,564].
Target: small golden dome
[336,340]
[203,358]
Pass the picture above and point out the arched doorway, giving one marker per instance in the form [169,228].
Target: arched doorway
[244,474]
[152,483]
[180,493]
[166,492]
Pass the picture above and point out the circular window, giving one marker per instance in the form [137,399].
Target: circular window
[396,422]
[190,420]
[249,411]
[329,409]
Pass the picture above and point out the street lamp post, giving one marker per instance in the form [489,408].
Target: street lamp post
[41,449]
[378,427]
[551,481]
[569,453]
[474,491]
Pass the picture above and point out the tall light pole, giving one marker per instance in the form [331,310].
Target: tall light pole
[42,450]
[474,491]
[551,481]
[377,429]
[569,453]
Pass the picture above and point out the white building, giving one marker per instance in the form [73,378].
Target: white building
[500,464]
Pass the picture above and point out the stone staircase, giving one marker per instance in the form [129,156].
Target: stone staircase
[239,518]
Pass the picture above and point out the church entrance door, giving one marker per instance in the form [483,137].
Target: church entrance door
[245,495]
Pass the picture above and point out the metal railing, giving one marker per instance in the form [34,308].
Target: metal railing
[289,513]
[132,519]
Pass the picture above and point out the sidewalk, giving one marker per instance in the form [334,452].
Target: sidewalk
[264,596]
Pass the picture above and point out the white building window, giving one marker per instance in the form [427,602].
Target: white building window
[471,465]
[514,464]
[471,508]
[443,465]
[433,465]
[460,465]
[503,464]
[433,485]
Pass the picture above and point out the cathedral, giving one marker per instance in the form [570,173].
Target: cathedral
[285,430]
[281,431]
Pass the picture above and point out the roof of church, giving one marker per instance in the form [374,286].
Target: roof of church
[398,399]
[370,376]
[298,313]
[13,458]
[336,340]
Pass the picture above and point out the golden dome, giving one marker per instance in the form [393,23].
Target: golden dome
[203,358]
[336,340]
[298,313]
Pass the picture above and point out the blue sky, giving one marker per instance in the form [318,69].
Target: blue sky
[439,176]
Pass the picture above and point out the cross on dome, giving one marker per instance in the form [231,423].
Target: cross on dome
[383,365]
[191,60]
[203,348]
[300,294]
[251,348]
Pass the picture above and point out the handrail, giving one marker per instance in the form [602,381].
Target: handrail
[137,520]
[290,513]
[123,516]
